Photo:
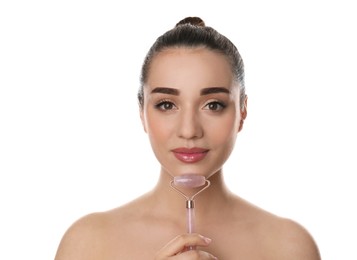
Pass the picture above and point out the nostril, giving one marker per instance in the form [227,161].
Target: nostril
[190,130]
[189,124]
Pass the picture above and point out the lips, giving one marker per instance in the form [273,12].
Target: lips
[190,155]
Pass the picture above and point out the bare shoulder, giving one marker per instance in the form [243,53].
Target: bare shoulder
[274,237]
[90,236]
[295,241]
[78,241]
[287,239]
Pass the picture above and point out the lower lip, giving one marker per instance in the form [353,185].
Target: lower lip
[190,157]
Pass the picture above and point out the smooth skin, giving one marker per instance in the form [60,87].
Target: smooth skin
[190,100]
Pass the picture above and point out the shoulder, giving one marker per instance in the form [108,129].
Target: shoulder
[91,236]
[79,240]
[280,238]
[292,240]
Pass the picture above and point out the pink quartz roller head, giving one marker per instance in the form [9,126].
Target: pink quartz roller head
[190,181]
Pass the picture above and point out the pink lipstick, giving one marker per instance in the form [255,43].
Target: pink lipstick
[190,155]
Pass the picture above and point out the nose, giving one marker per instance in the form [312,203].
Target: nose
[189,125]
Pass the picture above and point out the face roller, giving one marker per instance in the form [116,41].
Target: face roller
[190,181]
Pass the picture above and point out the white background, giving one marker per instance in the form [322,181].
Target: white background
[70,136]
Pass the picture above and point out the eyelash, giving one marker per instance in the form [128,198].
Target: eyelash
[221,105]
[161,105]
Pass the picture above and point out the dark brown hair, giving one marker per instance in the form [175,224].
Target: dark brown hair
[192,32]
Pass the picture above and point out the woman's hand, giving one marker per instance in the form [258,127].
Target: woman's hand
[177,248]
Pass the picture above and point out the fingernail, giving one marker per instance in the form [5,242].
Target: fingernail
[207,240]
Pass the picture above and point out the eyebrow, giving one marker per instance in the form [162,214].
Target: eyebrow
[170,91]
[207,91]
[203,92]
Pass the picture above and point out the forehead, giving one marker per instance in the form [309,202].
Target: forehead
[183,66]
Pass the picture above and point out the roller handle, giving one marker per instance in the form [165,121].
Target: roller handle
[190,217]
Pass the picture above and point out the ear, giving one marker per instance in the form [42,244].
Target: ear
[243,113]
[142,118]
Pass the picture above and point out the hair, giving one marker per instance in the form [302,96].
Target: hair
[192,32]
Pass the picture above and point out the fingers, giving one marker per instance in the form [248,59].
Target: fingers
[194,255]
[176,248]
[180,243]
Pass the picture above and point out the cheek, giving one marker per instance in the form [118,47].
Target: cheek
[223,132]
[157,129]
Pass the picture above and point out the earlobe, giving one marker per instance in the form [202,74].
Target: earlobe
[142,118]
[243,114]
[241,125]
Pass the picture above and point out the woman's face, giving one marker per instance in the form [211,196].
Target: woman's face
[191,110]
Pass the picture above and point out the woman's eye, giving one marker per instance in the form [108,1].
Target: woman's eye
[165,105]
[215,106]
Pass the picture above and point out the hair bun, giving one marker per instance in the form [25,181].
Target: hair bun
[192,20]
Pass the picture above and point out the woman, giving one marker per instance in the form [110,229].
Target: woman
[192,106]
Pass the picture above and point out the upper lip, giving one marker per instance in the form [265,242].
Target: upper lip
[190,150]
